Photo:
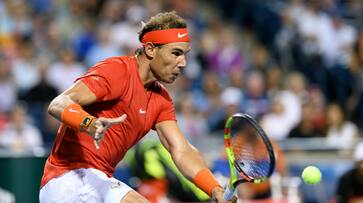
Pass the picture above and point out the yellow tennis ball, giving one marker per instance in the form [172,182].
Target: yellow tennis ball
[311,175]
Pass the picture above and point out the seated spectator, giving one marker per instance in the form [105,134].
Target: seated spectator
[341,132]
[277,122]
[19,134]
[305,128]
[350,185]
[191,122]
[255,99]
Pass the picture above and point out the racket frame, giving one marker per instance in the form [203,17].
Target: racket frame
[235,170]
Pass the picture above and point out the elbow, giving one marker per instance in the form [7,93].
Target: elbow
[52,107]
[56,106]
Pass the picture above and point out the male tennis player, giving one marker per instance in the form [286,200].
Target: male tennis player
[111,108]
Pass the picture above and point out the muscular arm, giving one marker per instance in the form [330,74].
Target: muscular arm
[186,157]
[78,93]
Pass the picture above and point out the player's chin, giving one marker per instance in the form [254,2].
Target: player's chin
[170,79]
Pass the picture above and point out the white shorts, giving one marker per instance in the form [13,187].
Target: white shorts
[83,185]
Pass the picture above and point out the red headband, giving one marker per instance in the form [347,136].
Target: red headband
[166,36]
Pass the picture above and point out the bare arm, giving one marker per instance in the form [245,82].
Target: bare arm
[80,94]
[186,157]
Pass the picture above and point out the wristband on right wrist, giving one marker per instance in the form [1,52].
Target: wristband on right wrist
[75,117]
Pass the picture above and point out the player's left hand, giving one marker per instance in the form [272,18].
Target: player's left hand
[101,125]
[218,196]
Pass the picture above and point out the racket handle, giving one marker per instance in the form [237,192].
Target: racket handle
[228,193]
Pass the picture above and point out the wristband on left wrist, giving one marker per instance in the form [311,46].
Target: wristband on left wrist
[206,181]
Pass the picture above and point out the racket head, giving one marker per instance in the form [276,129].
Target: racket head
[249,151]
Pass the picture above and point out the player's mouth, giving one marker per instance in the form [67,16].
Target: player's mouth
[174,76]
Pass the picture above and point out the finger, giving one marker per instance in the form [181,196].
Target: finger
[98,133]
[234,199]
[96,144]
[113,121]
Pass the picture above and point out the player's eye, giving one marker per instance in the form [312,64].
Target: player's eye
[177,53]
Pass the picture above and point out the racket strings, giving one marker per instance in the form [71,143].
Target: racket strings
[252,159]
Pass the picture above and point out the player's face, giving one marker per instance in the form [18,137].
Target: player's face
[169,61]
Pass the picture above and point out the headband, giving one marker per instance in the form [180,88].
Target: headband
[166,36]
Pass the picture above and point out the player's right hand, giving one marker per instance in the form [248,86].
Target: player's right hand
[98,128]
[218,196]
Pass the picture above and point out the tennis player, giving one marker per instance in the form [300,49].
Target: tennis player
[109,109]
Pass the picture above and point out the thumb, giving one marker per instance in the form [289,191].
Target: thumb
[234,199]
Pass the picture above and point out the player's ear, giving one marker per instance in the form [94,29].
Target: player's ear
[150,50]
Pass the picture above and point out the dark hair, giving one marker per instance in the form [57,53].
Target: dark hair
[161,21]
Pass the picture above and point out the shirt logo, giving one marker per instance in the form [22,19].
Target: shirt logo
[142,111]
[182,35]
[116,185]
[73,110]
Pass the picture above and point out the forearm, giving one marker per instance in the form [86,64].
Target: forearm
[189,161]
[192,165]
[76,94]
[57,106]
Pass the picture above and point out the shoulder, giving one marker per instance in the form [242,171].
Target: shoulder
[113,66]
[114,62]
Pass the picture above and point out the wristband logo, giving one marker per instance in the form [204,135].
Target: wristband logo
[73,110]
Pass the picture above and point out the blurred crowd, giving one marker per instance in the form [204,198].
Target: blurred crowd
[296,65]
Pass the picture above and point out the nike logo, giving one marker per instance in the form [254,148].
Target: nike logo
[182,35]
[142,111]
[73,110]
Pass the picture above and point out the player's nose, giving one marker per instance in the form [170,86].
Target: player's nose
[183,62]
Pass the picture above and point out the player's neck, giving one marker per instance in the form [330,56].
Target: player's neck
[144,69]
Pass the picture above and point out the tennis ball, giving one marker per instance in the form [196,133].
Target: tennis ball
[311,175]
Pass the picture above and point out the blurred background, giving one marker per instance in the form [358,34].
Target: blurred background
[295,65]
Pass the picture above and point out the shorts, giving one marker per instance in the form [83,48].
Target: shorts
[83,185]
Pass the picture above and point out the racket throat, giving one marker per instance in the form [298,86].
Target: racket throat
[241,173]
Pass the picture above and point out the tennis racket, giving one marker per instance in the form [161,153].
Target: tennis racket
[249,152]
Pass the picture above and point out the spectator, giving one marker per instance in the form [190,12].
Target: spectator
[25,70]
[276,122]
[19,134]
[305,128]
[208,99]
[255,99]
[62,73]
[103,49]
[191,122]
[341,132]
[7,86]
[350,185]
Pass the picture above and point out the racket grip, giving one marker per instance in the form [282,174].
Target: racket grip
[228,193]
